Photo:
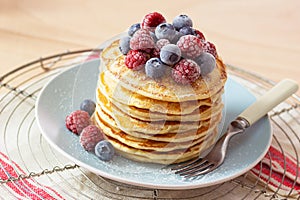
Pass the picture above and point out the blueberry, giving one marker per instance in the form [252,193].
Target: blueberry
[165,31]
[133,28]
[170,54]
[155,68]
[207,63]
[104,150]
[88,105]
[181,21]
[177,37]
[124,45]
[187,30]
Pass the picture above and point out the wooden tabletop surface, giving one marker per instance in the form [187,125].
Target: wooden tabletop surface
[260,36]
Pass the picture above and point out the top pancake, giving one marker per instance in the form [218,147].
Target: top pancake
[166,88]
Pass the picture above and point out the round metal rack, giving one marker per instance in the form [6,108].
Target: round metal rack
[22,142]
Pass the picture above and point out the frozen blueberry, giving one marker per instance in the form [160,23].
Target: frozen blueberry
[133,28]
[165,31]
[181,21]
[170,54]
[124,45]
[104,150]
[88,105]
[155,68]
[187,30]
[207,63]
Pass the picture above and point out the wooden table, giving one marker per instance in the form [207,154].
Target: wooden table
[259,36]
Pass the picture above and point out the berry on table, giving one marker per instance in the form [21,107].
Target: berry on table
[88,105]
[151,20]
[190,46]
[206,62]
[186,71]
[77,121]
[104,150]
[136,60]
[141,40]
[154,68]
[210,48]
[165,31]
[170,54]
[133,28]
[181,21]
[90,136]
[124,45]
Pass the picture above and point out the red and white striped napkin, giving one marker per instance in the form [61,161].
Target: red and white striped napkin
[281,172]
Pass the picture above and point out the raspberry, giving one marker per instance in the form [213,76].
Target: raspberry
[186,71]
[136,60]
[90,136]
[210,48]
[162,42]
[77,121]
[199,34]
[190,46]
[154,53]
[141,40]
[151,20]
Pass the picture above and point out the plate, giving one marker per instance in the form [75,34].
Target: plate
[64,93]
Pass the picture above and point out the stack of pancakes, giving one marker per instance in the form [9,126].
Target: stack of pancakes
[157,121]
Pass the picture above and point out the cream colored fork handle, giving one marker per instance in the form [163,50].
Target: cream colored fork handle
[269,100]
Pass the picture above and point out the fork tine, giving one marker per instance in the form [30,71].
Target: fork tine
[201,171]
[195,165]
[201,166]
[185,164]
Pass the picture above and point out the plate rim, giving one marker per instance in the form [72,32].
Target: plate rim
[134,182]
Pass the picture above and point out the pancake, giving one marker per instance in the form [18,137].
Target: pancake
[157,120]
[102,117]
[201,113]
[164,89]
[108,86]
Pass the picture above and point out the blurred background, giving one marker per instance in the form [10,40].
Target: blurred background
[259,36]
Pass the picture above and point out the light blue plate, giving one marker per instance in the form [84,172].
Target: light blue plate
[64,93]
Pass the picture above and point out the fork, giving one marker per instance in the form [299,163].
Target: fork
[249,116]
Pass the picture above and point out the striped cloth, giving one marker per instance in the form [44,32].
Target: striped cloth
[26,188]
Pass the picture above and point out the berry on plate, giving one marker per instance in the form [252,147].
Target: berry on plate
[154,68]
[89,137]
[170,54]
[190,46]
[186,71]
[165,31]
[77,121]
[141,40]
[124,45]
[133,28]
[88,105]
[136,60]
[181,21]
[104,150]
[207,63]
[151,20]
[210,48]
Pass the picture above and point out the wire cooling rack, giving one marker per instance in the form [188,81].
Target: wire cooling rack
[22,142]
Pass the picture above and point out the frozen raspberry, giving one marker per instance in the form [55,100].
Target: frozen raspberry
[199,34]
[90,136]
[154,53]
[162,42]
[77,121]
[190,46]
[210,48]
[151,20]
[141,40]
[136,60]
[186,71]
